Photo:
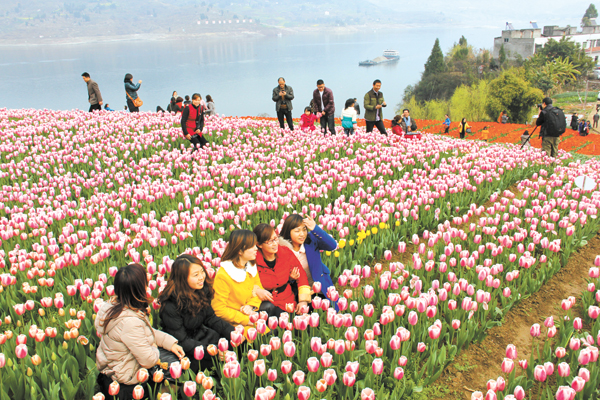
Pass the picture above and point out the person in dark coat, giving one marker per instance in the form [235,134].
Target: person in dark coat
[192,122]
[575,122]
[131,92]
[323,103]
[186,312]
[356,107]
[94,95]
[282,96]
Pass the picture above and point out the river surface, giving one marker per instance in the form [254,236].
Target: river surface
[239,73]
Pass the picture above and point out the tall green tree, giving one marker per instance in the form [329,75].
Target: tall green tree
[514,94]
[562,49]
[435,62]
[590,13]
[502,55]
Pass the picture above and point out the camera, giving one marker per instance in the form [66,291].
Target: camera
[539,106]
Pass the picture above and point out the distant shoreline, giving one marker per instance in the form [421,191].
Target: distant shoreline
[260,31]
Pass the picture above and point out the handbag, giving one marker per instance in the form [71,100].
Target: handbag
[468,130]
[136,102]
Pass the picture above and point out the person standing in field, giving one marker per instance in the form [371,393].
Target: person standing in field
[463,128]
[282,96]
[447,124]
[323,103]
[131,91]
[596,119]
[94,95]
[348,117]
[373,103]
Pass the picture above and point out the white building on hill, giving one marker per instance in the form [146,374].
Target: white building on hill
[526,42]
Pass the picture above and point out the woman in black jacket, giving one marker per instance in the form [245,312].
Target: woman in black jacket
[186,313]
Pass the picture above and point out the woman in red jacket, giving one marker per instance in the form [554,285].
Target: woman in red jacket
[276,265]
[192,122]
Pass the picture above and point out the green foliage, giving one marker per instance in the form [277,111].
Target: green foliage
[590,13]
[435,62]
[512,93]
[439,86]
[469,102]
[560,50]
[502,55]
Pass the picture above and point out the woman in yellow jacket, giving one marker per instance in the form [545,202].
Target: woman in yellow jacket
[462,128]
[238,291]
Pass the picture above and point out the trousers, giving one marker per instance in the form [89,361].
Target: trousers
[378,124]
[288,116]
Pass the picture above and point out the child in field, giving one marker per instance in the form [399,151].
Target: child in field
[485,133]
[396,128]
[349,117]
[307,121]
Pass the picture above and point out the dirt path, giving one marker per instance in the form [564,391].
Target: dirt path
[481,362]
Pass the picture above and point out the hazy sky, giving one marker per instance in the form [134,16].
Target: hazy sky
[485,12]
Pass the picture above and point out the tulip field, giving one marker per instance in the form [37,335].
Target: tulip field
[437,239]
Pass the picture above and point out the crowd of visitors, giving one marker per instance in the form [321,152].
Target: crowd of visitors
[321,109]
[262,275]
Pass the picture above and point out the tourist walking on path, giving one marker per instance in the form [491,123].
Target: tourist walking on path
[131,91]
[349,115]
[373,102]
[407,123]
[192,122]
[94,96]
[210,105]
[323,103]
[282,96]
[596,119]
[463,128]
[550,130]
[446,123]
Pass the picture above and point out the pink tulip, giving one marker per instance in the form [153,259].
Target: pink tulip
[189,388]
[564,369]
[534,331]
[539,373]
[142,375]
[138,392]
[259,367]
[313,364]
[303,393]
[330,377]
[578,384]
[326,360]
[272,375]
[511,352]
[507,365]
[289,349]
[286,367]
[421,347]
[519,393]
[232,369]
[175,370]
[565,393]
[21,351]
[367,394]
[577,323]
[113,388]
[377,366]
[399,373]
[298,378]
[349,378]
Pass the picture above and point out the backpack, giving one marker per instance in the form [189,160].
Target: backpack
[555,123]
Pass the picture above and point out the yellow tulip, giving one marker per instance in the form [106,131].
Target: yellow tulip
[351,242]
[382,225]
[374,230]
[397,223]
[328,253]
[336,254]
[342,244]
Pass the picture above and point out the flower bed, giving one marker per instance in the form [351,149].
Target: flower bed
[84,194]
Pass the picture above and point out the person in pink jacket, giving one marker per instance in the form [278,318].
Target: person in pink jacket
[128,343]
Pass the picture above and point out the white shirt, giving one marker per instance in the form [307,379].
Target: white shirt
[301,256]
[322,105]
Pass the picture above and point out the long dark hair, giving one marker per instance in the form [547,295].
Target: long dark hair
[178,289]
[349,103]
[128,78]
[130,291]
[292,222]
[209,98]
[239,241]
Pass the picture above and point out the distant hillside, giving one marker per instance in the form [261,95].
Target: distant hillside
[58,19]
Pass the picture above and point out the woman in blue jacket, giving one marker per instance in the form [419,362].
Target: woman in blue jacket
[306,239]
[131,92]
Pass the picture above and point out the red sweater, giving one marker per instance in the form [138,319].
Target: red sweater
[308,121]
[272,278]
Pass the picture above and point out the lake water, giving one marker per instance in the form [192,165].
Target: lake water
[239,73]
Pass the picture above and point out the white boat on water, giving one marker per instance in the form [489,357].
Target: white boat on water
[388,56]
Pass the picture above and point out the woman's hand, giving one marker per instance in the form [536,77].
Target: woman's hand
[247,310]
[295,273]
[188,137]
[309,222]
[198,131]
[140,81]
[262,294]
[299,307]
[178,350]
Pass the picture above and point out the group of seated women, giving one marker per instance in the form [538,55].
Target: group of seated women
[260,272]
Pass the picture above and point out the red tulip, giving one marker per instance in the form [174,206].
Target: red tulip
[138,392]
[142,375]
